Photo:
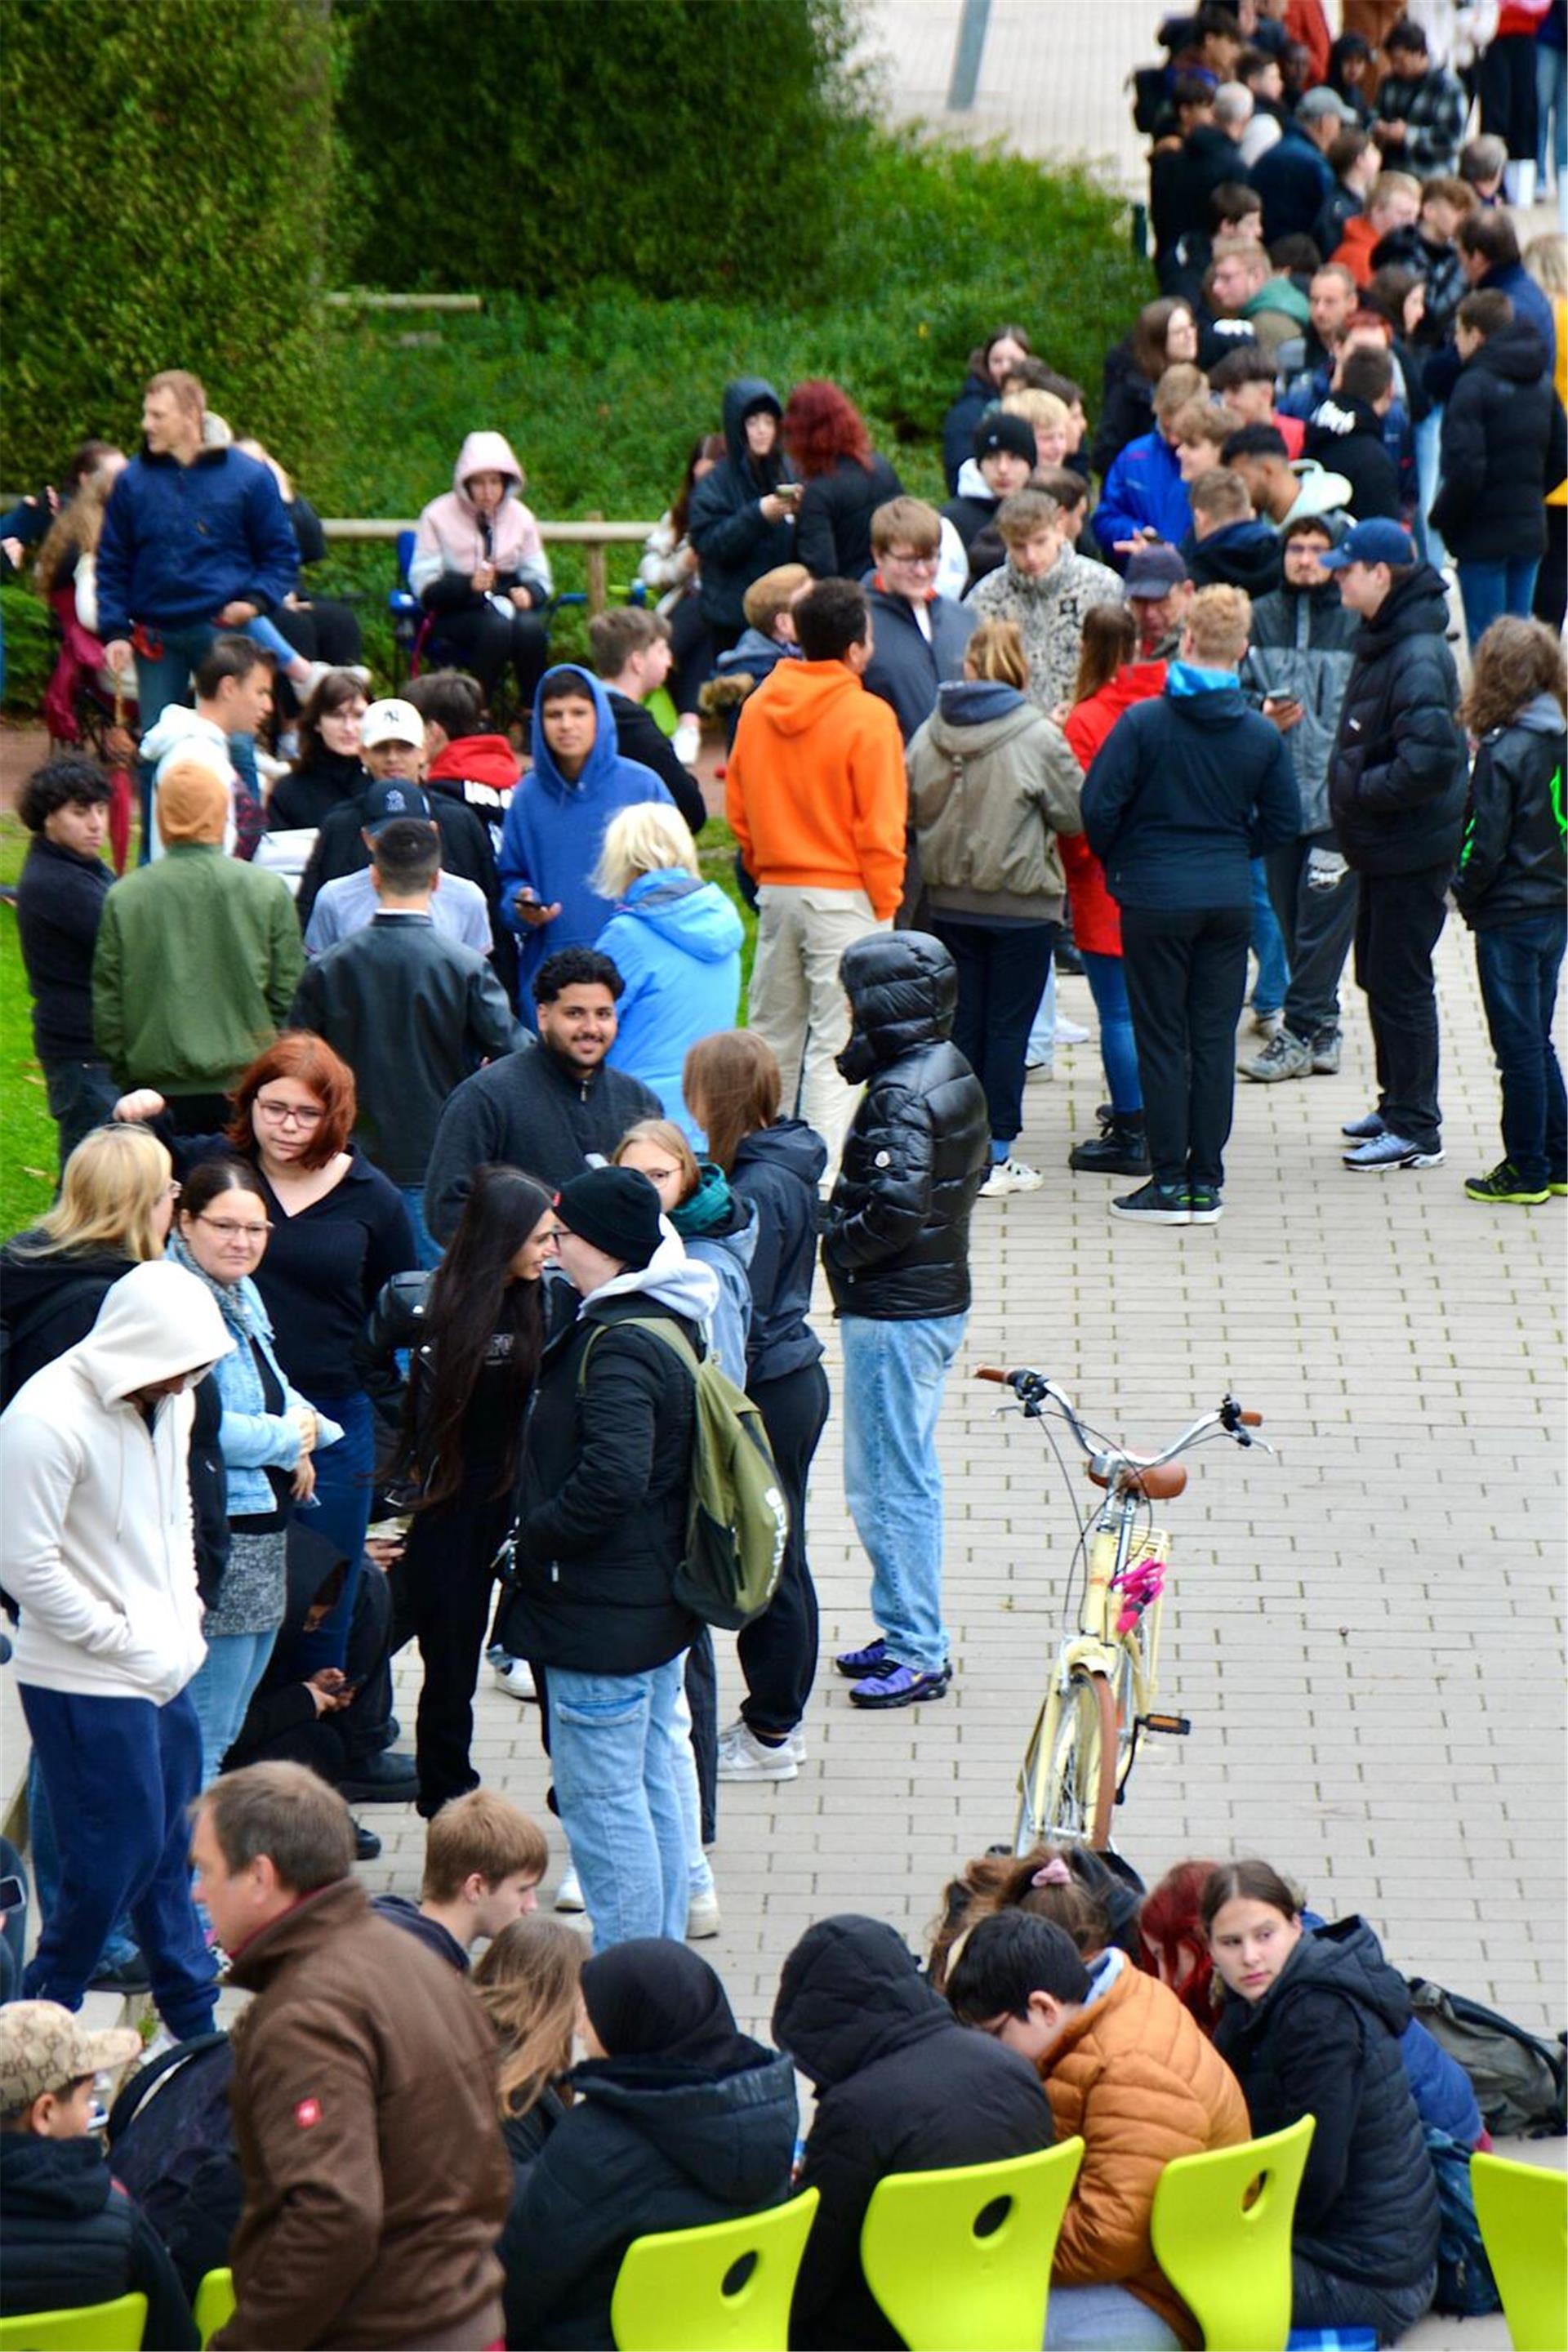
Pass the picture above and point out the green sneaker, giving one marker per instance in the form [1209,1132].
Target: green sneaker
[1506,1186]
[1203,1204]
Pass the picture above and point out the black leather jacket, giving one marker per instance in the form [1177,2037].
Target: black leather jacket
[896,1233]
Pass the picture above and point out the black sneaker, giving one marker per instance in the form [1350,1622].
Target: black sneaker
[128,1975]
[367,1845]
[1506,1186]
[387,1779]
[1119,1150]
[1154,1204]
[1203,1204]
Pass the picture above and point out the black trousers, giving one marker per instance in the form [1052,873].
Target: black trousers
[778,1649]
[1505,84]
[484,641]
[445,1588]
[1318,926]
[692,648]
[1186,983]
[323,630]
[1398,924]
[1002,975]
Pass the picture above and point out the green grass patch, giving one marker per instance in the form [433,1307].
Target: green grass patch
[27,1131]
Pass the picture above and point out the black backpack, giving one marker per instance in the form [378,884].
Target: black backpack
[171,2142]
[1521,2082]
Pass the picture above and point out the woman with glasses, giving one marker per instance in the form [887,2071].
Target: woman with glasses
[268,1435]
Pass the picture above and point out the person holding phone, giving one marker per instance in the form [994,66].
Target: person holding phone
[480,570]
[742,511]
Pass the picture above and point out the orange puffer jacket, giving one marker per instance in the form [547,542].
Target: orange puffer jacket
[1136,2076]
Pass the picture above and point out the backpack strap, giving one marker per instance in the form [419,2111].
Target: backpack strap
[661,1326]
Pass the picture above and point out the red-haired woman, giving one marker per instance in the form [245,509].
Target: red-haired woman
[339,1231]
[845,480]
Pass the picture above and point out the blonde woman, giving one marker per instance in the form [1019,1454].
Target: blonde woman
[675,941]
[117,1197]
[528,1983]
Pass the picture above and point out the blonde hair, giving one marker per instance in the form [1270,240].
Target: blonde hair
[187,389]
[772,593]
[112,1183]
[652,837]
[1219,621]
[996,651]
[1043,410]
[665,1136]
[1025,512]
[1178,385]
[1546,259]
[481,1833]
[528,1983]
[1219,495]
[1202,420]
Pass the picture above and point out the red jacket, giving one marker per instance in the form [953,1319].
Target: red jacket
[1305,22]
[1096,919]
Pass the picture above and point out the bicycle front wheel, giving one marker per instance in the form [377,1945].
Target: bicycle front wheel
[1080,1789]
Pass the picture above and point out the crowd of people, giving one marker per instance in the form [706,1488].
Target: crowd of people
[426,1219]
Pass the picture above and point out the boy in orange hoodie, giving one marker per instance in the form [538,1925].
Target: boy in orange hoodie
[816,798]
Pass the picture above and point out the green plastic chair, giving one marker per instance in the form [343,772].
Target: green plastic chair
[1523,2212]
[938,2280]
[92,2328]
[214,2306]
[1226,2252]
[674,2293]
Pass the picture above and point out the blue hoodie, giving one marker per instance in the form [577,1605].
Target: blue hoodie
[675,942]
[554,830]
[1143,490]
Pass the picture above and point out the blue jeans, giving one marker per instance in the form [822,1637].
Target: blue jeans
[430,1249]
[121,1774]
[1518,964]
[1108,2315]
[222,1688]
[894,1375]
[1118,1050]
[1550,115]
[1428,470]
[1268,945]
[346,1479]
[1042,1045]
[613,1754]
[119,1945]
[1490,590]
[163,678]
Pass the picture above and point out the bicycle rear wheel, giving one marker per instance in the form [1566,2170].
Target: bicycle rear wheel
[1080,1786]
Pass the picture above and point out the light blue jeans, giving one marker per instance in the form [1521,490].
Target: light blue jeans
[430,1249]
[1108,2315]
[1268,945]
[612,1750]
[894,1375]
[684,1764]
[1042,1045]
[222,1688]
[1428,471]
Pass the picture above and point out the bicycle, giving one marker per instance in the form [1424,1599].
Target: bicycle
[1085,1740]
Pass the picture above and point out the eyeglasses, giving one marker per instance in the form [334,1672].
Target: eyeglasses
[911,562]
[229,1231]
[301,1114]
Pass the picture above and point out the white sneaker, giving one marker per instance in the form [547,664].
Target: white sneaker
[743,1757]
[1267,1024]
[1037,1065]
[1010,1176]
[568,1893]
[1070,1032]
[686,743]
[515,1675]
[703,1918]
[797,1742]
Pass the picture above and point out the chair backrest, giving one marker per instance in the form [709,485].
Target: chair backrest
[214,2306]
[93,2327]
[1523,2212]
[404,555]
[964,2255]
[725,2288]
[1221,2231]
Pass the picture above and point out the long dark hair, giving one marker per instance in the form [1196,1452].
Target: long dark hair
[708,444]
[471,1303]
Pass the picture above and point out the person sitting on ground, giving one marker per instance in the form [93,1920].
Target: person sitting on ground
[1311,2025]
[61,896]
[1230,547]
[1144,496]
[480,571]
[1281,492]
[1125,2069]
[675,941]
[919,636]
[329,770]
[231,698]
[1421,107]
[1004,457]
[555,827]
[632,655]
[1047,587]
[392,750]
[1165,335]
[900,2087]
[845,480]
[1346,434]
[73,2237]
[1245,380]
[678,2120]
[529,1981]
[483,1859]
[742,511]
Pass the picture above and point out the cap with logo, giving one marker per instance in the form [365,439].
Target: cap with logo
[1376,541]
[43,2048]
[393,721]
[396,803]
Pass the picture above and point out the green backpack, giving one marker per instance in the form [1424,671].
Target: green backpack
[738,1521]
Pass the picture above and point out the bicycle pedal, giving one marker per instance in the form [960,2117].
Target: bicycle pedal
[1178,1726]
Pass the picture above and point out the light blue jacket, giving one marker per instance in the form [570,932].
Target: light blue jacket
[675,942]
[252,1440]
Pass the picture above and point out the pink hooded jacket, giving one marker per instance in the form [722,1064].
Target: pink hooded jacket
[449,538]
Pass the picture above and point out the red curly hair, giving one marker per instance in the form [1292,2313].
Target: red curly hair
[1170,1922]
[311,1062]
[821,426]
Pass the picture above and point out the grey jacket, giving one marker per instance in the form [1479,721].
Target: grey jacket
[1300,650]
[992,783]
[1050,613]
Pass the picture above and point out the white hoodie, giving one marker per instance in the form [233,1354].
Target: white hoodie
[670,1278]
[180,732]
[95,1535]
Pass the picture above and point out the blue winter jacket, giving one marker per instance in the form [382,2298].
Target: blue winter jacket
[251,1439]
[675,942]
[1143,491]
[1444,2095]
[554,830]
[182,541]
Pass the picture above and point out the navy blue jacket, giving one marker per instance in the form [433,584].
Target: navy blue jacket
[777,1170]
[1294,182]
[1184,792]
[958,426]
[906,669]
[182,541]
[1531,307]
[72,2237]
[60,904]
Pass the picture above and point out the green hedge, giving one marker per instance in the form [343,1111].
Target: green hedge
[164,176]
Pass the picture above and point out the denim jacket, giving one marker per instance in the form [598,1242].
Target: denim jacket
[253,1440]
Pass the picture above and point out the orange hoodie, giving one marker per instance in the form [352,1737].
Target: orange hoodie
[815,793]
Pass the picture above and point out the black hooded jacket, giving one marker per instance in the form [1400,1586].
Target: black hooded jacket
[896,1233]
[1502,450]
[1396,774]
[1324,2041]
[1512,865]
[900,2087]
[1243,555]
[777,1171]
[60,904]
[1345,436]
[734,541]
[309,794]
[72,2237]
[650,2143]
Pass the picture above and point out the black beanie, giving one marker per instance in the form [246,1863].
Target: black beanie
[617,1209]
[1002,430]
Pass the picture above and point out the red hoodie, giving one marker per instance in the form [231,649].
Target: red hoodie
[1096,918]
[479,769]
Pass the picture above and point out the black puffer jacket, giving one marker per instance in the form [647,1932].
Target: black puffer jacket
[650,2144]
[900,2087]
[1512,865]
[734,541]
[777,1171]
[896,1233]
[1396,774]
[73,2238]
[1503,451]
[1324,2041]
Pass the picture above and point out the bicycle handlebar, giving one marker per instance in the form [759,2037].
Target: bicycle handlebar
[1035,1389]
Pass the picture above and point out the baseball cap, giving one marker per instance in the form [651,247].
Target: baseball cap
[43,2047]
[391,722]
[1323,104]
[1377,542]
[396,803]
[1153,572]
[1001,430]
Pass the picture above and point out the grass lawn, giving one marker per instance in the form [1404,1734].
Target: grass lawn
[26,1130]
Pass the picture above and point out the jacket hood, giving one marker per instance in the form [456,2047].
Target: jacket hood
[670,1278]
[693,915]
[797,694]
[1542,715]
[1518,355]
[1208,699]
[973,484]
[600,761]
[1245,553]
[33,1285]
[1346,1958]
[740,397]
[156,1322]
[733,2134]
[753,651]
[1319,491]
[485,453]
[476,759]
[902,988]
[1414,608]
[56,2178]
[178,727]
[790,1143]
[965,705]
[1341,416]
[852,1992]
[1280,293]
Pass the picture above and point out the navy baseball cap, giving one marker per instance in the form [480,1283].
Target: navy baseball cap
[396,803]
[1154,571]
[1378,542]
